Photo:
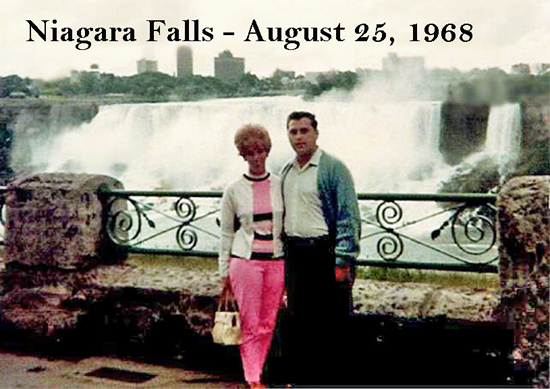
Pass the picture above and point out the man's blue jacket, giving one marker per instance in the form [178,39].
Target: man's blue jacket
[339,206]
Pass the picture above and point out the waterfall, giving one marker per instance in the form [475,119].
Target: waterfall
[503,142]
[388,146]
[189,145]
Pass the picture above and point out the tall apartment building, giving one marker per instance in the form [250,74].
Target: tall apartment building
[146,65]
[228,68]
[184,62]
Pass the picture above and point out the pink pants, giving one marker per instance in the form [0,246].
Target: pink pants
[258,287]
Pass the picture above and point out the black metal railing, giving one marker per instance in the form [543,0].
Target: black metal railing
[456,232]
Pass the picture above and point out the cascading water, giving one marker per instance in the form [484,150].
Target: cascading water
[189,146]
[503,142]
[388,146]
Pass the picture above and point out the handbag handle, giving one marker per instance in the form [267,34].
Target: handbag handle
[229,305]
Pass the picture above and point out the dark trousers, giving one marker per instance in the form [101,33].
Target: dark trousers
[315,327]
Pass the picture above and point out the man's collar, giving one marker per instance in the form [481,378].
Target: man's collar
[313,161]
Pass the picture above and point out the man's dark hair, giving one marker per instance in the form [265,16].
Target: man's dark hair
[297,115]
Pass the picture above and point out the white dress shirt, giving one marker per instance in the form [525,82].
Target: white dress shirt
[303,212]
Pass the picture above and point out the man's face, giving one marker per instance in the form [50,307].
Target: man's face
[302,136]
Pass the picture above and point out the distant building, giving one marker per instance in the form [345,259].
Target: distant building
[94,70]
[184,62]
[76,75]
[146,65]
[393,64]
[228,68]
[290,74]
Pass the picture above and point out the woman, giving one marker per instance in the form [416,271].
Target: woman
[251,257]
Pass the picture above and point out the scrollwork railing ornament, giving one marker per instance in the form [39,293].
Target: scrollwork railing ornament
[390,247]
[120,222]
[185,209]
[388,213]
[187,239]
[477,229]
[148,226]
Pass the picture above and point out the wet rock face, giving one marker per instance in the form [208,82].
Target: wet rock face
[463,130]
[26,121]
[535,122]
[524,267]
[55,220]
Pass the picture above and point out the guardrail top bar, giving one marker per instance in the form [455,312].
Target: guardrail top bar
[450,197]
[159,193]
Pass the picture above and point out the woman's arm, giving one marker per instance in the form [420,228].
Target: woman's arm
[227,224]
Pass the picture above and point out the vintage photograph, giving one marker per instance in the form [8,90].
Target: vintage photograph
[279,194]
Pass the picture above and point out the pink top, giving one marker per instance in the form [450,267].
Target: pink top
[262,243]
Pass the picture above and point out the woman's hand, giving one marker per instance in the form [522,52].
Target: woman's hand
[227,291]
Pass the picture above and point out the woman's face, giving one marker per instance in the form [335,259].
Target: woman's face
[255,153]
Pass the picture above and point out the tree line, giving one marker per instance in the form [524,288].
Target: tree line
[489,86]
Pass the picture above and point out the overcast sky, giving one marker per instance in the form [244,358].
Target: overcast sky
[505,32]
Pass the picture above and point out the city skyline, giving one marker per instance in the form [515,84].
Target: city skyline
[505,33]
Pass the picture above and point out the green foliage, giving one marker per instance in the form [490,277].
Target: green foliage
[156,86]
[15,84]
[520,87]
[345,81]
[494,86]
[90,84]
[535,161]
[490,86]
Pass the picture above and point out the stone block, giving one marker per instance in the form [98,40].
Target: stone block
[56,220]
[524,228]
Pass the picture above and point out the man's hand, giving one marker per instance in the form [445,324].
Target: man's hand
[284,299]
[343,273]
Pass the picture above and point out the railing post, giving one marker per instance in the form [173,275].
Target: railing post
[524,228]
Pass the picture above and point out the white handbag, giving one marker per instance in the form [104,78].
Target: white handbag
[227,325]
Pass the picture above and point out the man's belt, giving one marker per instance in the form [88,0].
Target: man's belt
[306,242]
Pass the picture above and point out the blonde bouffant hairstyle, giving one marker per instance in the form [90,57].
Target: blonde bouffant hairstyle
[249,134]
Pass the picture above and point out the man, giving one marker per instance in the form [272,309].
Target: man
[322,229]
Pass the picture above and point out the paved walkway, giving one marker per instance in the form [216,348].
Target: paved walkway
[27,371]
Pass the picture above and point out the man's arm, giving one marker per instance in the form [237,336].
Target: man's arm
[348,224]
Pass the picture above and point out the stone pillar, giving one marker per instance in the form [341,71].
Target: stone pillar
[523,207]
[55,221]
